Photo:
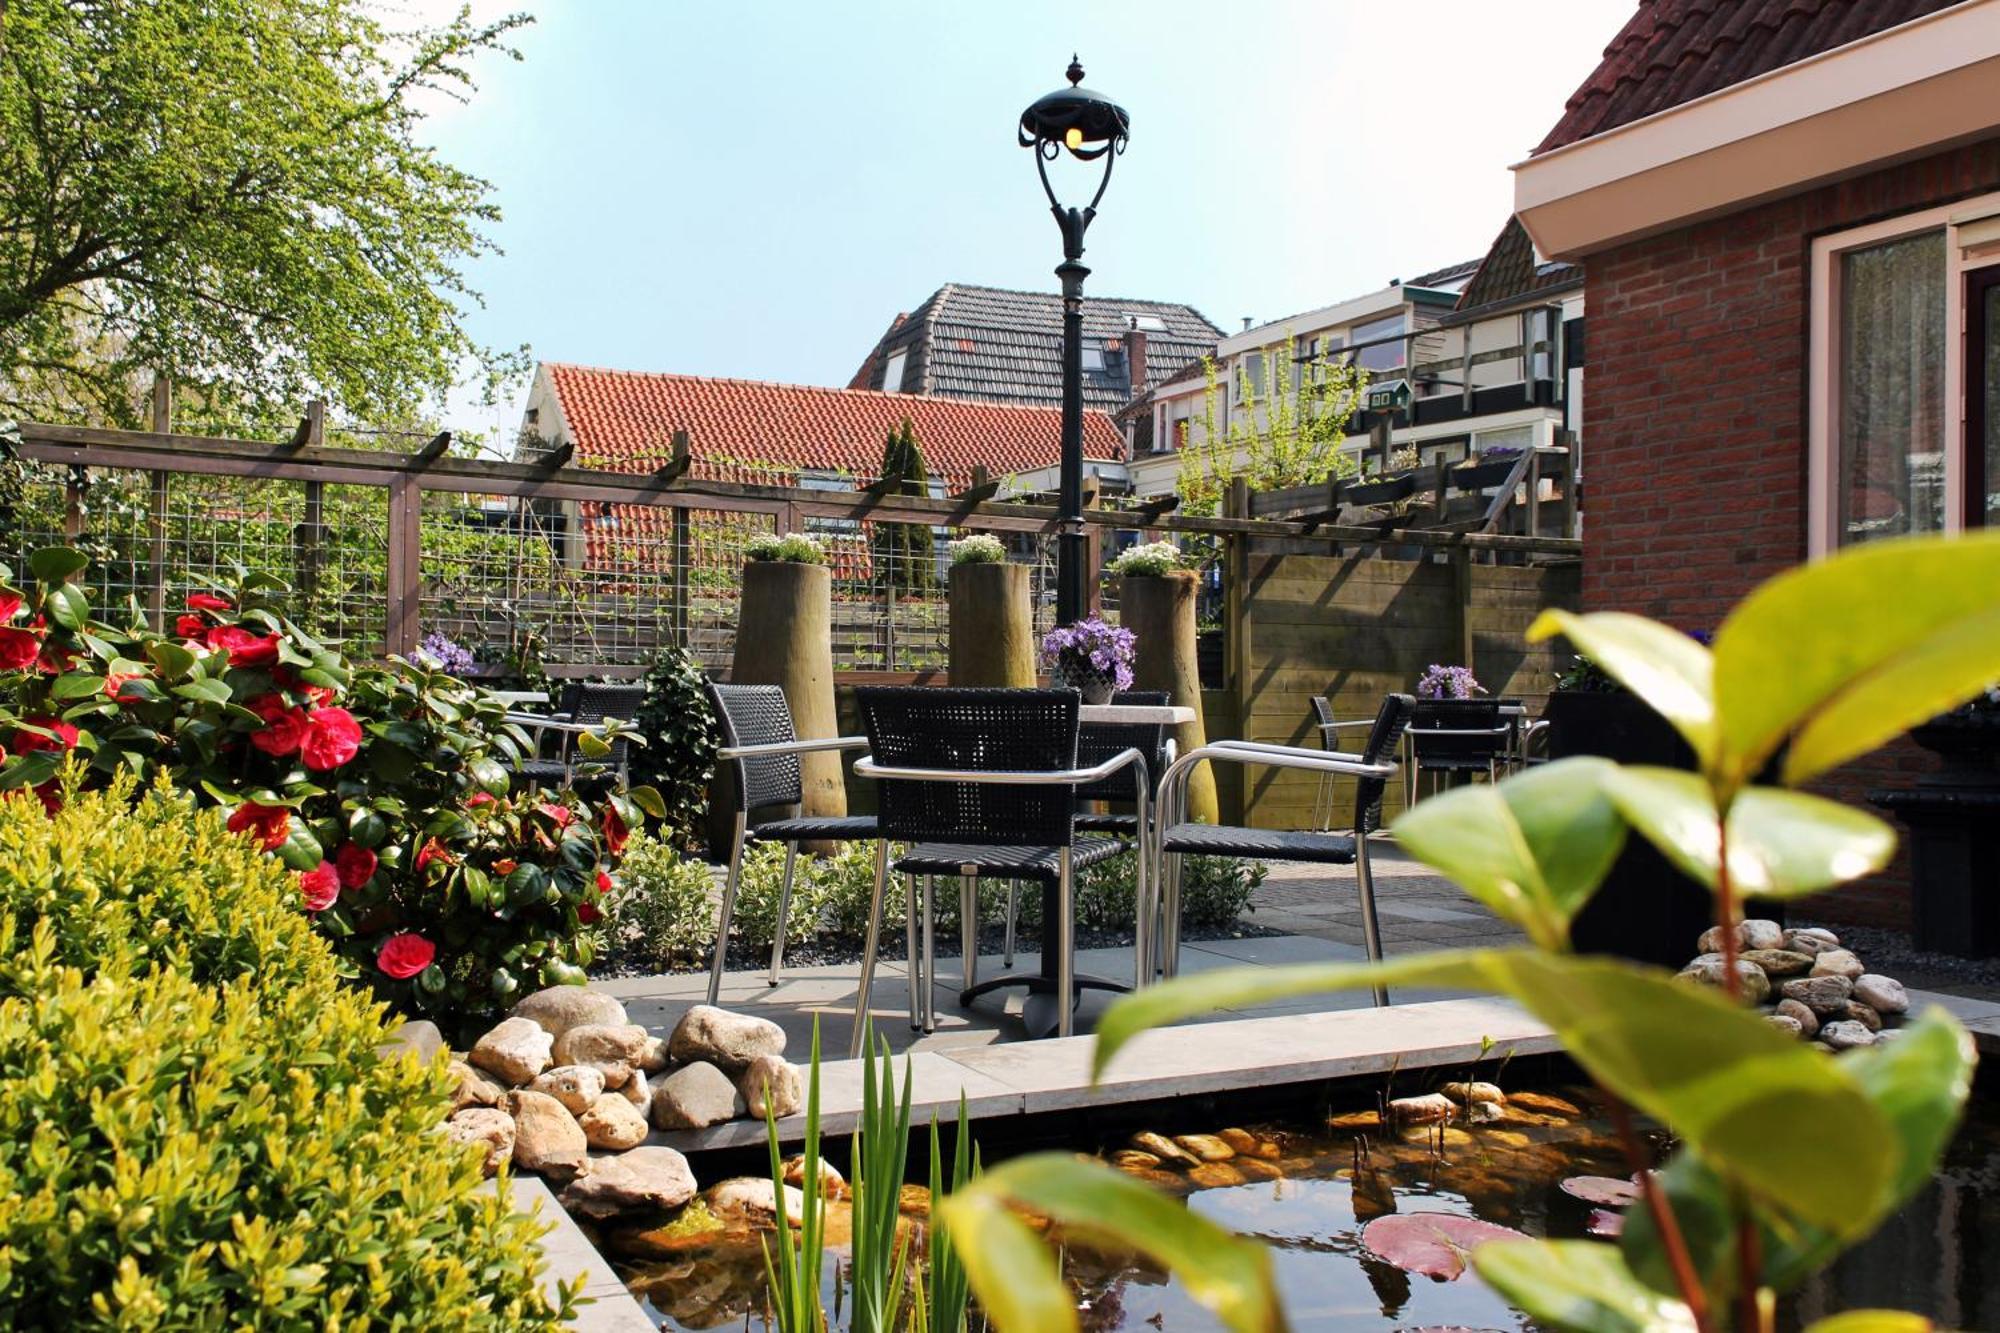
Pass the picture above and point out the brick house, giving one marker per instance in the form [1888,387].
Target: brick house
[1788,213]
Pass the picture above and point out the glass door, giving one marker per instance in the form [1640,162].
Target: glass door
[1982,397]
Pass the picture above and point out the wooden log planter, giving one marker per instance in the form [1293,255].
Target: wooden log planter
[1159,610]
[785,638]
[992,628]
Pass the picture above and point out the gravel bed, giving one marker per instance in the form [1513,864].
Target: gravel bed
[1891,953]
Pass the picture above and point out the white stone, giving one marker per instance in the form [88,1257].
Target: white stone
[695,1096]
[638,1091]
[752,1201]
[602,1044]
[1801,1014]
[515,1051]
[650,1179]
[1837,963]
[486,1125]
[560,1008]
[771,1083]
[1885,995]
[728,1041]
[612,1123]
[471,1088]
[1846,1033]
[546,1136]
[575,1086]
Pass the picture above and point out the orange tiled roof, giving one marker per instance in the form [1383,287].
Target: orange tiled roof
[740,430]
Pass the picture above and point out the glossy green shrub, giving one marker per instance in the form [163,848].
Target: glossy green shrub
[755,920]
[195,1128]
[678,758]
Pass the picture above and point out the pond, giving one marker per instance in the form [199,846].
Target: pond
[1311,1191]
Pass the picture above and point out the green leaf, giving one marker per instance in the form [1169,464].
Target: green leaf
[648,799]
[1532,848]
[1230,1276]
[206,690]
[593,745]
[68,605]
[1699,1201]
[1661,665]
[301,850]
[172,659]
[76,685]
[1579,1285]
[29,770]
[1872,1321]
[1009,1268]
[1850,651]
[53,564]
[1782,844]
[1718,1075]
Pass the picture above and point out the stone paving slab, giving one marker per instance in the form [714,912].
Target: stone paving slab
[606,1305]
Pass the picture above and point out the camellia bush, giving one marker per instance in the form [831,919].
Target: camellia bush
[386,789]
[1814,668]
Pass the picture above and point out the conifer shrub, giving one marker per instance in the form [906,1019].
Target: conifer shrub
[196,1130]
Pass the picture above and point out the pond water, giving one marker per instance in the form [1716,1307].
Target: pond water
[1310,1193]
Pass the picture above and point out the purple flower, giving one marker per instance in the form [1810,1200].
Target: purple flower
[444,654]
[1448,682]
[1090,648]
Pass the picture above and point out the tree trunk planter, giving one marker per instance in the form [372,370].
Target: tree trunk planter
[992,631]
[1647,909]
[1159,610]
[784,637]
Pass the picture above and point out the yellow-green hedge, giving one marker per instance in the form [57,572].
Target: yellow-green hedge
[195,1130]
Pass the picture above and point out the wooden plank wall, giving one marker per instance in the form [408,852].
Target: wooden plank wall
[1354,628]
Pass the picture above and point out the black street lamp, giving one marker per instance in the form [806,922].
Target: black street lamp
[1089,126]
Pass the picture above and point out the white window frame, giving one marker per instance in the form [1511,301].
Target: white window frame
[1963,251]
[892,370]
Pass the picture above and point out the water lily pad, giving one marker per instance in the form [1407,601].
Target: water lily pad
[1604,1222]
[1606,1190]
[1431,1244]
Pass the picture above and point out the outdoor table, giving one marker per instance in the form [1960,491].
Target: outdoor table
[1039,1011]
[513,697]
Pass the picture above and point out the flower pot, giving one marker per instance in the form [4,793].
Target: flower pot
[1382,490]
[1159,610]
[1480,476]
[992,631]
[784,637]
[1646,909]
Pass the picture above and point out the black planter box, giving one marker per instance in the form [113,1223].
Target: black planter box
[1646,910]
[1482,475]
[1387,490]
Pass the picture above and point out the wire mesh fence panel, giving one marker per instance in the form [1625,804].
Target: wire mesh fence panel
[102,513]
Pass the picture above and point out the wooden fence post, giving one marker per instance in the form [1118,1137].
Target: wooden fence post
[1461,582]
[1236,600]
[157,509]
[683,537]
[405,590]
[1093,552]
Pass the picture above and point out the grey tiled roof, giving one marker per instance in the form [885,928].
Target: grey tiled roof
[1006,346]
[1510,271]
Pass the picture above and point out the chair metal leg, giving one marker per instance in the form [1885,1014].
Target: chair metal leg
[868,950]
[728,908]
[930,958]
[1013,903]
[1170,911]
[1065,935]
[1370,926]
[913,952]
[784,909]
[968,930]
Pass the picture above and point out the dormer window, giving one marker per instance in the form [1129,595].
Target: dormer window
[892,373]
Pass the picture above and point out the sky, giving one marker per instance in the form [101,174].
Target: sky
[757,189]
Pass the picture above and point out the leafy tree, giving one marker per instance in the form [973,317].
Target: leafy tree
[1281,437]
[904,551]
[235,192]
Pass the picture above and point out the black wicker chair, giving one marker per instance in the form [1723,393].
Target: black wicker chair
[1329,741]
[1373,768]
[1452,736]
[982,783]
[758,740]
[585,706]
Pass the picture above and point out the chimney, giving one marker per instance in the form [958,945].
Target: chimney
[1246,323]
[1135,361]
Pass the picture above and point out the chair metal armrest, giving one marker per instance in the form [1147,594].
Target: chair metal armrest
[1061,777]
[1300,751]
[792,747]
[544,723]
[1460,731]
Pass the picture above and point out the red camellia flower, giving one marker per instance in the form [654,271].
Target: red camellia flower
[433,850]
[587,913]
[479,800]
[56,659]
[332,738]
[614,830]
[558,815]
[403,956]
[18,648]
[26,742]
[191,627]
[506,865]
[284,726]
[603,882]
[355,864]
[318,695]
[271,824]
[10,606]
[208,601]
[115,682]
[321,886]
[245,648]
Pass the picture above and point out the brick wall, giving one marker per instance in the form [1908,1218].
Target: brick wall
[1696,417]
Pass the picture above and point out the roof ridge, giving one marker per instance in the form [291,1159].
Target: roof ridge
[1057,296]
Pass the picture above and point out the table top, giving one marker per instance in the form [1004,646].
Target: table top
[521,696]
[1136,714]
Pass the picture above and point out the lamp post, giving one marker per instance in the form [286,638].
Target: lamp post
[1088,126]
